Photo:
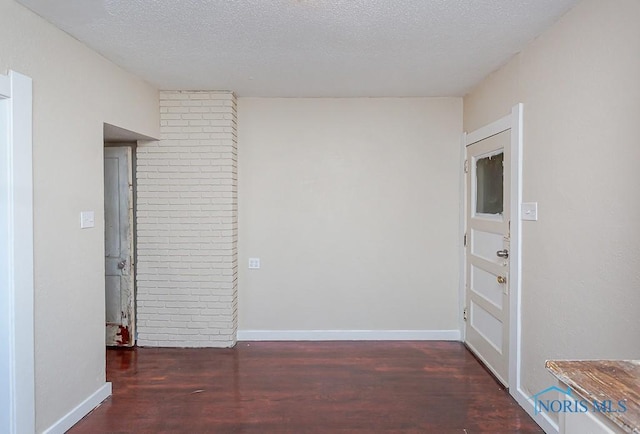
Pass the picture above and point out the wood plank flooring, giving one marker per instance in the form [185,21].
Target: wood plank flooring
[310,387]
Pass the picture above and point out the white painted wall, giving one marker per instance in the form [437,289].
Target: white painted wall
[580,86]
[352,206]
[75,90]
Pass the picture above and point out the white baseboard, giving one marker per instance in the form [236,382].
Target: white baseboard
[74,416]
[348,335]
[546,423]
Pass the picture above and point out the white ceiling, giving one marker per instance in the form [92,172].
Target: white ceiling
[313,48]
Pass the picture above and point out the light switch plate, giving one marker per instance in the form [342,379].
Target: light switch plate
[254,263]
[530,211]
[87,219]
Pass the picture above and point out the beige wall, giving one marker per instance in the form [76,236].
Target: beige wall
[580,85]
[352,206]
[75,90]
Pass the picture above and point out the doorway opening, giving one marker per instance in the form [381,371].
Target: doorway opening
[492,247]
[119,242]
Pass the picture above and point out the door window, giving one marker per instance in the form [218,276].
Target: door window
[489,184]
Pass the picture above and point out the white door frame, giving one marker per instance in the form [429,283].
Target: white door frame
[511,122]
[17,372]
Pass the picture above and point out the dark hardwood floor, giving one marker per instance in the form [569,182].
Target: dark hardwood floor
[311,387]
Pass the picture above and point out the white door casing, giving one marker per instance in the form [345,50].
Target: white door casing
[17,372]
[511,125]
[119,267]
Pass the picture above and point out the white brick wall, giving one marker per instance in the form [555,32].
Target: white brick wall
[187,224]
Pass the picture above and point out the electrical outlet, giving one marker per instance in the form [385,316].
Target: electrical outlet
[254,263]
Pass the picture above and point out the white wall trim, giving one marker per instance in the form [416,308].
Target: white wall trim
[5,87]
[16,257]
[542,418]
[74,416]
[502,124]
[7,399]
[348,335]
[462,223]
[515,246]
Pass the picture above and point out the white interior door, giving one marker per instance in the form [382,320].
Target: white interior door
[118,237]
[487,251]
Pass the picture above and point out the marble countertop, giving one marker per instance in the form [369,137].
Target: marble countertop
[598,380]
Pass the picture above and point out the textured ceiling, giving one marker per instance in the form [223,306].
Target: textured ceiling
[307,47]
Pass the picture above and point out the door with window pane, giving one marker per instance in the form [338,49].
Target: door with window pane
[487,252]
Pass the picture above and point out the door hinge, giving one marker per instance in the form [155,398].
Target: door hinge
[466,166]
[464,314]
[464,239]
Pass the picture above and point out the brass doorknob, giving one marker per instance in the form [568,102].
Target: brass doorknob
[502,280]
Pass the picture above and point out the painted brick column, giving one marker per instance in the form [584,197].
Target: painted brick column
[187,226]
